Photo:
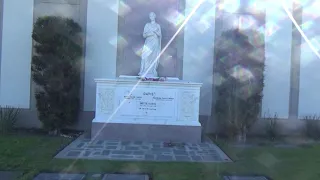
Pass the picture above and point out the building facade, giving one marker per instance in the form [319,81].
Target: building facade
[292,60]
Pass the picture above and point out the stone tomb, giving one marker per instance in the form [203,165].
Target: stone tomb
[130,109]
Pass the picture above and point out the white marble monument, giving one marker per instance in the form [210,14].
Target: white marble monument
[147,107]
[151,49]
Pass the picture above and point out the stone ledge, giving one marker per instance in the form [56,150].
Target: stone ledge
[147,122]
[128,81]
[145,132]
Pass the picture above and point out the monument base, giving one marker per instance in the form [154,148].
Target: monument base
[134,110]
[145,132]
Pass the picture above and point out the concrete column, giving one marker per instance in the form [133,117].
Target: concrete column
[101,46]
[1,23]
[309,98]
[278,60]
[198,49]
[16,53]
[295,62]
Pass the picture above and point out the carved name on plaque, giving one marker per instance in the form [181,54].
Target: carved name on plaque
[149,102]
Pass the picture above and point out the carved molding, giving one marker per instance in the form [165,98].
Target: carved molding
[106,100]
[187,108]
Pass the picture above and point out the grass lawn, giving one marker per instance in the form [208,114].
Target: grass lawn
[32,154]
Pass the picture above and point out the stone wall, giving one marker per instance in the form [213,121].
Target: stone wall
[65,8]
[16,53]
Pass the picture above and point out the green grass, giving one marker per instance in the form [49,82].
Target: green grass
[33,154]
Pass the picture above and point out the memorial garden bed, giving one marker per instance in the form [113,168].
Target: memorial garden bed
[33,154]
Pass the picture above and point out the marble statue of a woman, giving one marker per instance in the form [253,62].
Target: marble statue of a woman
[151,49]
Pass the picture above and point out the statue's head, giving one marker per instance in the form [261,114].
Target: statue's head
[152,16]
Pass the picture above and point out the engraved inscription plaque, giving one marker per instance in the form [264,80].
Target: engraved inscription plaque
[148,102]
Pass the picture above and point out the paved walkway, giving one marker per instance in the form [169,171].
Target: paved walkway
[142,151]
[58,176]
[10,175]
[61,176]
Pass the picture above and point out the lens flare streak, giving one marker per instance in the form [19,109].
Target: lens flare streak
[313,48]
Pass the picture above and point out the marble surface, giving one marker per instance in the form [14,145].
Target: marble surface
[137,78]
[126,100]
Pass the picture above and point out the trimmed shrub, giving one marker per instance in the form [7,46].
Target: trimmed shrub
[56,68]
[272,126]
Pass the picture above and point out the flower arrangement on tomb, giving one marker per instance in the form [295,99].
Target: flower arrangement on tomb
[153,79]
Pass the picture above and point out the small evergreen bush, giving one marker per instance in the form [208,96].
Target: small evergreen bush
[8,118]
[272,126]
[312,127]
[56,71]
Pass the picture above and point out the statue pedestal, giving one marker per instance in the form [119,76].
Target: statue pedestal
[130,109]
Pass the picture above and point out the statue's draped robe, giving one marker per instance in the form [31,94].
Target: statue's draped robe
[151,50]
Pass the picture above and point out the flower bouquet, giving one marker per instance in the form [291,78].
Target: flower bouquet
[153,79]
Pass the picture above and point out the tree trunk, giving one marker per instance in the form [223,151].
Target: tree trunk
[241,138]
[55,132]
